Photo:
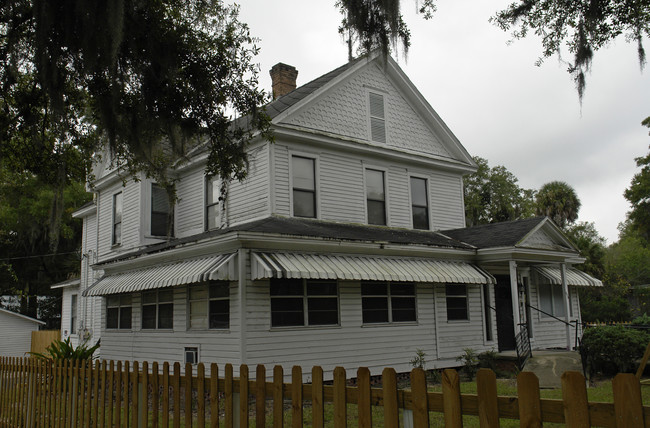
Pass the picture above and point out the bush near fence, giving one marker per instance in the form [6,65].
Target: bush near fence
[38,393]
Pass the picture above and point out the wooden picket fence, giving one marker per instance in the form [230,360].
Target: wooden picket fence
[36,393]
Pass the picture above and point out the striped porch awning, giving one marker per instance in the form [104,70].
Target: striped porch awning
[366,268]
[573,276]
[165,275]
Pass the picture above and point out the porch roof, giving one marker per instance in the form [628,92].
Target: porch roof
[573,276]
[369,268]
[164,275]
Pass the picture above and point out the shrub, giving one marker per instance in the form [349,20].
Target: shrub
[63,350]
[487,359]
[469,358]
[611,349]
[643,320]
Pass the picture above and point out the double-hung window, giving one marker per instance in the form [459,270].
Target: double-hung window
[117,219]
[304,186]
[158,309]
[377,117]
[375,197]
[118,311]
[388,302]
[212,205]
[300,302]
[210,305]
[160,208]
[419,203]
[456,302]
[73,314]
[551,300]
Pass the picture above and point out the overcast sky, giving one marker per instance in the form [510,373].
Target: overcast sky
[492,96]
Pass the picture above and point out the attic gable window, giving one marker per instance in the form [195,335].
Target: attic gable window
[212,205]
[304,186]
[377,117]
[160,207]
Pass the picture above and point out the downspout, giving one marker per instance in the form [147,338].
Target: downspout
[565,294]
[515,295]
[242,258]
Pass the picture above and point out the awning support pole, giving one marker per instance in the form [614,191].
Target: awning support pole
[565,295]
[515,295]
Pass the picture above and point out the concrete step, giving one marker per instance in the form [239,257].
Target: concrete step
[548,366]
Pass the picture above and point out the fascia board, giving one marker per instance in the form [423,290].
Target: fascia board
[525,254]
[25,317]
[421,104]
[353,145]
[85,212]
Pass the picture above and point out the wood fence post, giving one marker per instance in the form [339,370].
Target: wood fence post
[228,392]
[165,396]
[340,399]
[260,396]
[628,405]
[574,397]
[296,397]
[419,398]
[278,397]
[488,408]
[391,406]
[125,384]
[530,410]
[243,396]
[451,399]
[200,392]
[143,408]
[135,391]
[155,394]
[214,395]
[176,395]
[365,400]
[317,408]
[188,395]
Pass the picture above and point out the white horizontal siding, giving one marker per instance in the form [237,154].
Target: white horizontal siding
[549,332]
[447,210]
[398,196]
[16,335]
[342,197]
[131,218]
[249,199]
[216,346]
[281,179]
[190,206]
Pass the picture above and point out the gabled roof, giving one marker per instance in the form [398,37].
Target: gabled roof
[25,317]
[508,234]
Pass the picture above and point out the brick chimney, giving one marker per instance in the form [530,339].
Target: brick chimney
[283,78]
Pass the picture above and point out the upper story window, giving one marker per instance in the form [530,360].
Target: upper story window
[304,186]
[210,305]
[551,300]
[73,314]
[117,219]
[419,203]
[160,208]
[375,197]
[212,205]
[301,302]
[456,302]
[118,311]
[377,118]
[384,302]
[158,309]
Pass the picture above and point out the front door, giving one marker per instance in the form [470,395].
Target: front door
[503,301]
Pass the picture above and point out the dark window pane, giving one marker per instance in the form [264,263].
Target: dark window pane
[159,210]
[149,316]
[323,318]
[456,290]
[286,287]
[420,218]
[374,309]
[165,295]
[159,224]
[304,203]
[457,314]
[322,304]
[166,315]
[220,289]
[374,288]
[323,311]
[376,212]
[149,297]
[403,309]
[219,314]
[374,316]
[403,302]
[287,312]
[284,304]
[112,315]
[321,288]
[375,303]
[402,289]
[125,318]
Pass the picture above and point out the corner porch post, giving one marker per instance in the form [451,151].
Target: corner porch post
[565,295]
[515,295]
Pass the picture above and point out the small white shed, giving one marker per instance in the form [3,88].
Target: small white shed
[16,333]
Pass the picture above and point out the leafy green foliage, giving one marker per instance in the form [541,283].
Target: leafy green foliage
[608,303]
[63,350]
[642,320]
[470,360]
[420,359]
[611,349]
[592,246]
[151,78]
[638,194]
[629,258]
[558,201]
[492,195]
[581,26]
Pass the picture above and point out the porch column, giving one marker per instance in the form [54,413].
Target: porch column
[515,295]
[565,295]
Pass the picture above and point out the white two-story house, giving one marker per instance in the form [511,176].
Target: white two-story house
[346,245]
